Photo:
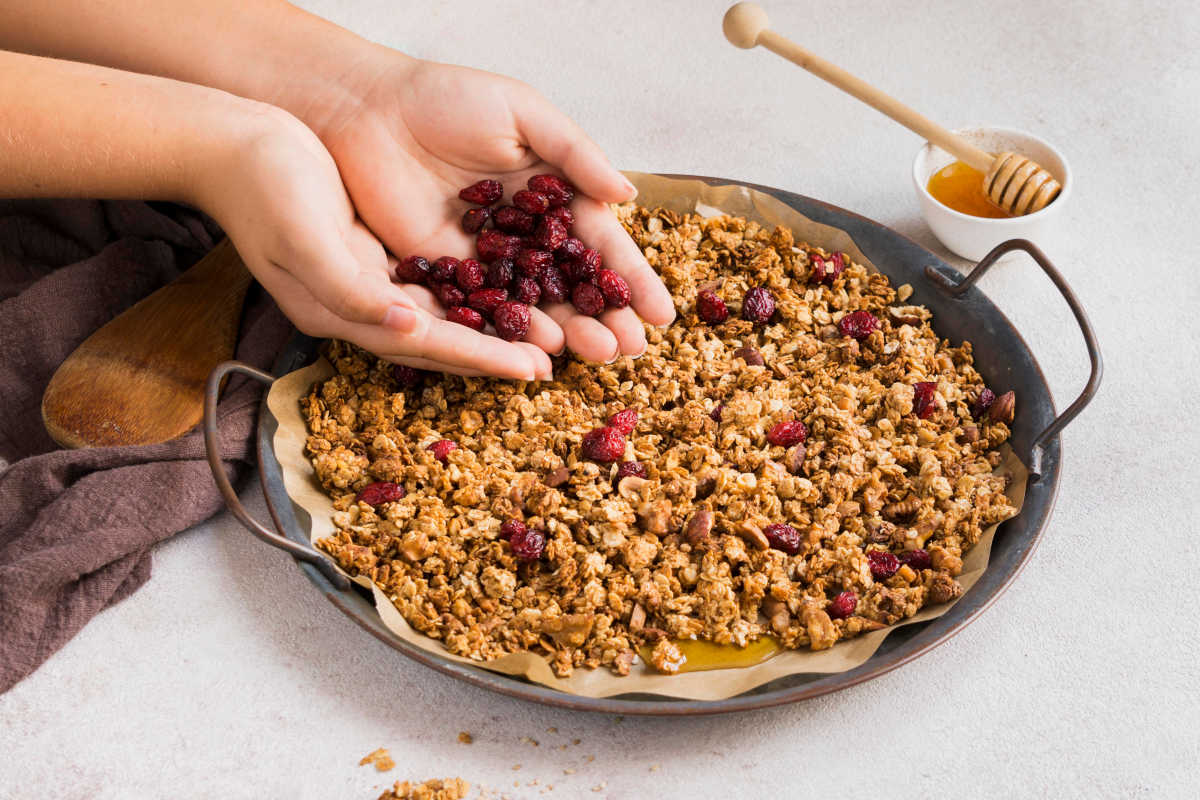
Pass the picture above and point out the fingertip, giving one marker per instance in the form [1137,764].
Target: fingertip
[402,319]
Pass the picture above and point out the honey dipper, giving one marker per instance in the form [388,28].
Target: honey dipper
[1011,181]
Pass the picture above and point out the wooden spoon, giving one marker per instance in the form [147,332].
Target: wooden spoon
[1011,181]
[140,378]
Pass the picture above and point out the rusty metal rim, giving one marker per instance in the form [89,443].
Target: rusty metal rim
[918,640]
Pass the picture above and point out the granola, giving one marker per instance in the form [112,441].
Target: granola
[436,789]
[874,502]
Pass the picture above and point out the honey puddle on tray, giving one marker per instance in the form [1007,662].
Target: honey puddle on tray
[960,187]
[701,655]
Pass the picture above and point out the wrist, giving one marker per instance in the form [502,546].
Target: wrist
[319,72]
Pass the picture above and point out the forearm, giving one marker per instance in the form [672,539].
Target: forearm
[78,130]
[266,50]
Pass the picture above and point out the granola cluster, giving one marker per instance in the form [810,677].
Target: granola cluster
[883,498]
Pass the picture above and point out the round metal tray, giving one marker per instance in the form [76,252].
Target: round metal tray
[960,311]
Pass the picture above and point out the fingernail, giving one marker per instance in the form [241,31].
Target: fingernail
[401,319]
[629,187]
[561,350]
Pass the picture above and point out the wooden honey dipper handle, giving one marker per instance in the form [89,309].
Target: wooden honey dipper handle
[1025,186]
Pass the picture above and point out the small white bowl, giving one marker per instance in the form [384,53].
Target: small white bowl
[972,237]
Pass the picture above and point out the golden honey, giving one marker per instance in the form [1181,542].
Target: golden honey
[960,187]
[700,655]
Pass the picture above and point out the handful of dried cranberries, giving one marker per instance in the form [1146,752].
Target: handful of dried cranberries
[527,257]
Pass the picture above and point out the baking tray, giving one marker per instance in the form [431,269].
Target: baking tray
[961,311]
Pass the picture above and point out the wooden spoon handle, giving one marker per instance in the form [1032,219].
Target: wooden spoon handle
[745,26]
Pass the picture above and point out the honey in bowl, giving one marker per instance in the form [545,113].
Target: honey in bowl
[960,187]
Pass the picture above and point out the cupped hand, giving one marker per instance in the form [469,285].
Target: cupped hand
[407,135]
[278,195]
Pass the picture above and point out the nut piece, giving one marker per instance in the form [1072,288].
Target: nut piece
[557,477]
[795,459]
[1003,408]
[699,527]
[750,355]
[753,535]
[631,487]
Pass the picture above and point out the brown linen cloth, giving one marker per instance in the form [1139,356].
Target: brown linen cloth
[77,526]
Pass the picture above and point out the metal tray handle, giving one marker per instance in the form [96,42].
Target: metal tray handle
[213,448]
[1089,337]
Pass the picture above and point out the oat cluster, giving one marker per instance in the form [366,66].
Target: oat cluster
[739,523]
[436,789]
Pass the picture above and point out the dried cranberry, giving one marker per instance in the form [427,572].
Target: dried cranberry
[531,202]
[604,445]
[627,468]
[579,270]
[615,289]
[710,308]
[528,291]
[624,421]
[983,402]
[466,316]
[826,271]
[406,376]
[883,564]
[924,401]
[441,449]
[718,412]
[587,299]
[469,275]
[550,233]
[513,220]
[787,434]
[448,294]
[511,320]
[492,245]
[500,273]
[512,527]
[444,269]
[758,305]
[570,250]
[917,559]
[592,257]
[562,214]
[483,193]
[475,218]
[554,285]
[556,189]
[843,605]
[376,494]
[530,263]
[858,324]
[528,545]
[413,269]
[486,300]
[783,537]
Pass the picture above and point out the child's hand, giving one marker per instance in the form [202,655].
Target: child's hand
[279,197]
[407,135]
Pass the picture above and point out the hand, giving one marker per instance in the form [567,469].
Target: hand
[408,134]
[279,197]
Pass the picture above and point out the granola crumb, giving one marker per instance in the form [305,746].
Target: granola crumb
[381,758]
[434,789]
[529,741]
[465,737]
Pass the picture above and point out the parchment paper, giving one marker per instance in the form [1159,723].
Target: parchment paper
[680,196]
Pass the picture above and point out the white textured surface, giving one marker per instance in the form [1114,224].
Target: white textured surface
[229,676]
